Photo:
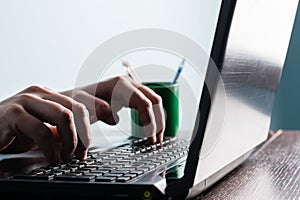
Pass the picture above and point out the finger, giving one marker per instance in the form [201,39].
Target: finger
[98,108]
[160,122]
[80,151]
[144,107]
[20,144]
[41,135]
[55,114]
[12,141]
[34,129]
[6,134]
[120,89]
[157,109]
[81,119]
[5,141]
[80,113]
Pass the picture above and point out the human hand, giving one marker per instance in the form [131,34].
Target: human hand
[58,123]
[40,117]
[106,98]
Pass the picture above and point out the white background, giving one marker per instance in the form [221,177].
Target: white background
[45,42]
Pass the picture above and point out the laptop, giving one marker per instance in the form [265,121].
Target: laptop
[249,49]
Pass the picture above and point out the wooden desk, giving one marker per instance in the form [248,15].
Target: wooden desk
[272,172]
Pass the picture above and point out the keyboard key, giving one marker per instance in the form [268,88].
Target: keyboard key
[34,177]
[113,175]
[75,174]
[40,170]
[109,168]
[70,177]
[89,168]
[121,163]
[118,156]
[151,166]
[99,172]
[93,166]
[138,164]
[52,167]
[143,169]
[85,177]
[128,168]
[105,179]
[120,171]
[157,163]
[54,173]
[71,168]
[34,172]
[83,171]
[87,161]
[76,165]
[73,161]
[123,179]
[162,160]
[61,171]
[131,175]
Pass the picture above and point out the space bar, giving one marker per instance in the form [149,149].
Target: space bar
[74,178]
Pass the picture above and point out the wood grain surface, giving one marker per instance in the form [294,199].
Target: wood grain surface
[272,172]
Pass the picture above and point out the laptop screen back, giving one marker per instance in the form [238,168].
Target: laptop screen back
[239,117]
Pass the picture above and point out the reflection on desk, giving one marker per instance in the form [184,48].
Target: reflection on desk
[273,172]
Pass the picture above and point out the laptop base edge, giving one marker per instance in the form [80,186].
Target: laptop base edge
[211,180]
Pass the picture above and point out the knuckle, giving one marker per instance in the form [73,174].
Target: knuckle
[23,97]
[102,109]
[15,109]
[119,79]
[35,89]
[147,104]
[67,116]
[157,99]
[80,109]
[77,95]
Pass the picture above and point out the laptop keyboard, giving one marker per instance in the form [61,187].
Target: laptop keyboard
[119,164]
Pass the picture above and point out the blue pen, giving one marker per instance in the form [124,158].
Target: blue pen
[178,71]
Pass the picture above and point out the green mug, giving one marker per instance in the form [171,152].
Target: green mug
[169,94]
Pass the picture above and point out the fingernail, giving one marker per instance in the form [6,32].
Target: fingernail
[160,139]
[153,140]
[113,120]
